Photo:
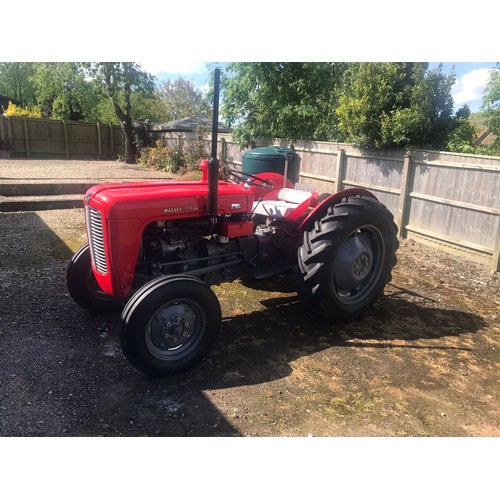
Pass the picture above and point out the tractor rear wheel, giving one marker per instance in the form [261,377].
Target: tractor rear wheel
[169,325]
[347,258]
[83,287]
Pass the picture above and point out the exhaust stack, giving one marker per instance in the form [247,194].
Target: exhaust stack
[213,164]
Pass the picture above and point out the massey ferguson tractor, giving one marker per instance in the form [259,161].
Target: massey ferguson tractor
[155,249]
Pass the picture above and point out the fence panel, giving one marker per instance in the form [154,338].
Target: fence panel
[83,140]
[40,138]
[382,175]
[457,204]
[15,128]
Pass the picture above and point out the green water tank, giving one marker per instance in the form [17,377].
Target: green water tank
[272,159]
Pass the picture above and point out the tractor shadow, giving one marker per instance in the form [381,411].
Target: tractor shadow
[260,346]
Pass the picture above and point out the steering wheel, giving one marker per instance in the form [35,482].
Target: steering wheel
[255,180]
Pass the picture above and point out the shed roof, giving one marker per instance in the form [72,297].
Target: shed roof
[188,124]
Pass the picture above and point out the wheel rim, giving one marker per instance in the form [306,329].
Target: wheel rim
[358,264]
[175,328]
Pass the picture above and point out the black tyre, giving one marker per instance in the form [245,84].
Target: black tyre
[83,286]
[346,259]
[169,325]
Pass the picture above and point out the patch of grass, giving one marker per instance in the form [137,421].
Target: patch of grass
[357,403]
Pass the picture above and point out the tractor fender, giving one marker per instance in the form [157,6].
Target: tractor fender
[320,210]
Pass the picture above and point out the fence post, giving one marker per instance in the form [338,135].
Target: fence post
[99,146]
[496,250]
[66,144]
[339,170]
[223,148]
[9,134]
[403,197]
[3,153]
[112,139]
[26,137]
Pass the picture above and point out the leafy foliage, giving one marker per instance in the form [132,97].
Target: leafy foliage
[288,100]
[179,99]
[397,104]
[14,110]
[63,92]
[15,81]
[120,80]
[376,105]
[491,108]
[181,159]
[462,139]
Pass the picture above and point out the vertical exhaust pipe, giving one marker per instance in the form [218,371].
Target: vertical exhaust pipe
[213,164]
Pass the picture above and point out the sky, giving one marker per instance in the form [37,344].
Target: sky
[471,77]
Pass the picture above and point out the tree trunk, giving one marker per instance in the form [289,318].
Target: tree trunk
[124,117]
[128,136]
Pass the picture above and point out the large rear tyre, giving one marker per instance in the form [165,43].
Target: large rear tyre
[83,287]
[169,325]
[347,259]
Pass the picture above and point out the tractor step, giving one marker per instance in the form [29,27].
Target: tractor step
[36,203]
[44,188]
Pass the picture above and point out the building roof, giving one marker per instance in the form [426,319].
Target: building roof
[485,137]
[188,124]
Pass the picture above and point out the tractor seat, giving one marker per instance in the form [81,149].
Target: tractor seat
[291,204]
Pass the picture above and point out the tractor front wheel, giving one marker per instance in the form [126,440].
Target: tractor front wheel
[83,287]
[169,325]
[347,258]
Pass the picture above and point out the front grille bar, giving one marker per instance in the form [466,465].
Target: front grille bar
[96,239]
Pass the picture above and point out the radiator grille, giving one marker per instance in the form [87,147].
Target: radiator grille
[96,239]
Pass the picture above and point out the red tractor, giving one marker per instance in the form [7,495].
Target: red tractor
[155,249]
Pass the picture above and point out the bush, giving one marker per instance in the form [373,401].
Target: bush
[173,160]
[158,157]
[13,110]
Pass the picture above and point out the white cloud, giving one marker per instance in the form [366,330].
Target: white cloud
[157,66]
[470,87]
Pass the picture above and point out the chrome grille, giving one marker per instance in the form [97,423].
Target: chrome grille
[96,239]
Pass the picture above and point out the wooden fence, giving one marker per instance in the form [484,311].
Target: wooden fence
[40,138]
[444,199]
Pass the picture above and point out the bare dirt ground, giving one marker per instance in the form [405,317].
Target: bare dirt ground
[424,362]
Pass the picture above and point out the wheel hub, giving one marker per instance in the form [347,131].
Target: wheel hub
[172,326]
[354,262]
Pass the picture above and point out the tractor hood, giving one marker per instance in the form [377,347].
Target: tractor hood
[165,200]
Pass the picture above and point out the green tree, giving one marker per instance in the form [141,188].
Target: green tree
[64,92]
[287,100]
[463,138]
[397,104]
[491,108]
[15,81]
[179,99]
[121,80]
